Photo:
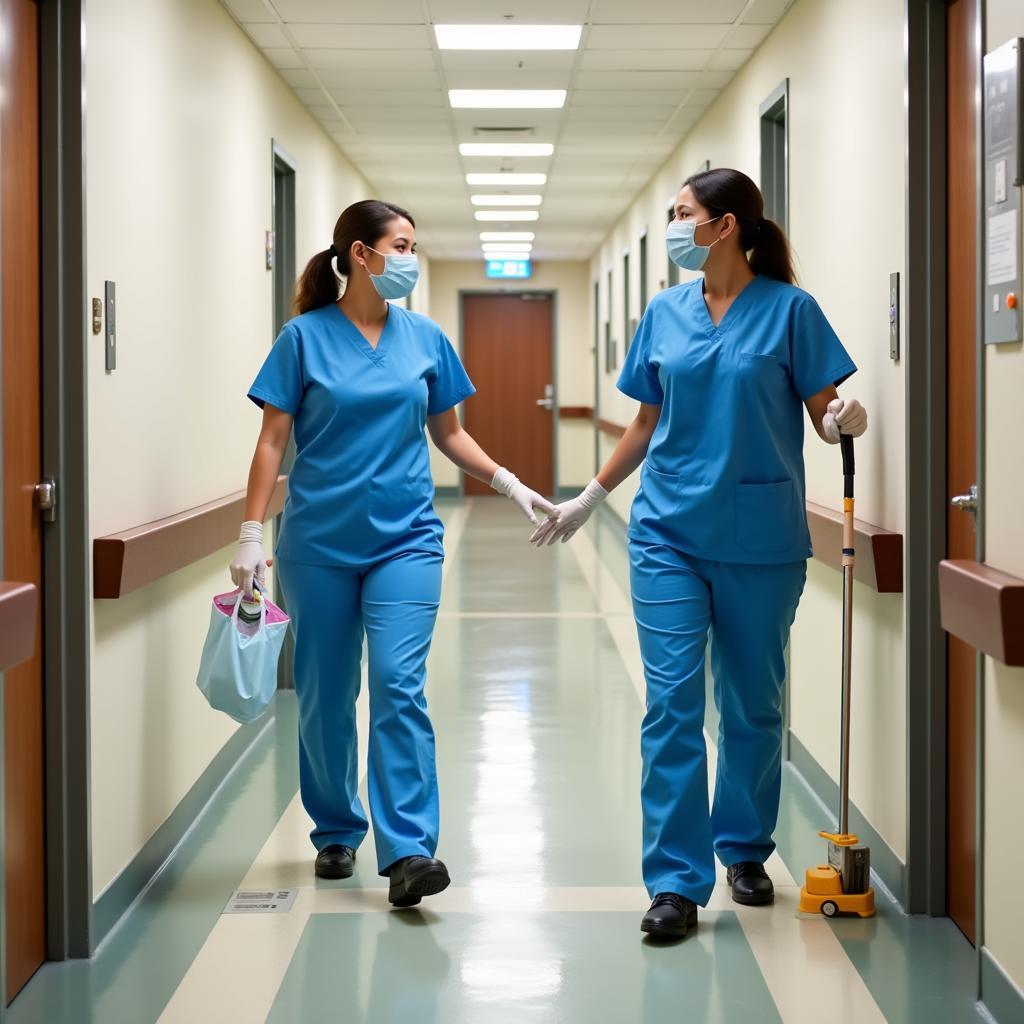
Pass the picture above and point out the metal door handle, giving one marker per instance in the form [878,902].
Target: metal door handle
[966,502]
[548,401]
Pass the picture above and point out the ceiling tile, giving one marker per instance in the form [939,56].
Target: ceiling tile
[507,60]
[677,80]
[766,12]
[644,60]
[648,114]
[512,79]
[361,37]
[266,35]
[388,115]
[364,78]
[383,62]
[283,58]
[730,60]
[300,78]
[351,12]
[679,12]
[656,37]
[389,97]
[748,37]
[249,10]
[527,12]
[627,98]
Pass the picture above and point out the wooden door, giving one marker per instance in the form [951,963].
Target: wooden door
[961,467]
[22,534]
[508,349]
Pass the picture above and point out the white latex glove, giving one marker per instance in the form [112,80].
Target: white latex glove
[570,516]
[844,417]
[249,560]
[508,484]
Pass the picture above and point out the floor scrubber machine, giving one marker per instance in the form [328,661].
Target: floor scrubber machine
[843,885]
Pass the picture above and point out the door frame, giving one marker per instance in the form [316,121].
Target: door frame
[552,294]
[67,581]
[926,478]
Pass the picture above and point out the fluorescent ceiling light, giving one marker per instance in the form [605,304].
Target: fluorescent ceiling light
[508,37]
[507,246]
[507,178]
[512,99]
[506,236]
[506,148]
[506,200]
[507,215]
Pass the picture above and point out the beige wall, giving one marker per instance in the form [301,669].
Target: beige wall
[575,384]
[845,66]
[1004,549]
[179,194]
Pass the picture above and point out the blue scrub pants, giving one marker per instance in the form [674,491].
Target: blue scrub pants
[395,603]
[748,609]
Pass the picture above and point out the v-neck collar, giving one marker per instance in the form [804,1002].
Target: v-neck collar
[743,296]
[375,354]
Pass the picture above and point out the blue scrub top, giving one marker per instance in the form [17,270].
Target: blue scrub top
[724,474]
[360,490]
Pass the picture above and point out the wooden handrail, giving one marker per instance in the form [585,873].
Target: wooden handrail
[126,561]
[879,551]
[575,412]
[984,607]
[19,606]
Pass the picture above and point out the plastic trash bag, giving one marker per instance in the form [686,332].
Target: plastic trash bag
[238,668]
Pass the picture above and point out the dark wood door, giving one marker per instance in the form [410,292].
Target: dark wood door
[507,346]
[22,536]
[961,467]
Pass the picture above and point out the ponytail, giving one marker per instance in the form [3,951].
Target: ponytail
[318,285]
[770,253]
[367,221]
[723,190]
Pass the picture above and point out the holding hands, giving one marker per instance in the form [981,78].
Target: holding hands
[568,517]
[509,484]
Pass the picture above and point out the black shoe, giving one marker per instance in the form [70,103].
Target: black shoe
[412,878]
[671,916]
[335,861]
[750,883]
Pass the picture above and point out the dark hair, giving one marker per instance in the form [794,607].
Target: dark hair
[367,222]
[723,190]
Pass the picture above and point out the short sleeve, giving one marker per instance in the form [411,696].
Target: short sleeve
[639,377]
[280,380]
[817,356]
[449,384]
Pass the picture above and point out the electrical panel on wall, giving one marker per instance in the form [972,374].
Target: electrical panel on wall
[1004,178]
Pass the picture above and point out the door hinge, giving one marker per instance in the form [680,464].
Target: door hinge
[46,499]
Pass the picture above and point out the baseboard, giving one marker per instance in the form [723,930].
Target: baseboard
[999,995]
[146,865]
[890,870]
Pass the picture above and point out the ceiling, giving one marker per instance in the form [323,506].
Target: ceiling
[372,74]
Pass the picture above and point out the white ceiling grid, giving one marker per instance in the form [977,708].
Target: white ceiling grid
[372,74]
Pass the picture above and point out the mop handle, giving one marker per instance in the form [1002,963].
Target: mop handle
[846,443]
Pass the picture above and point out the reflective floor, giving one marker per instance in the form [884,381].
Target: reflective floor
[536,697]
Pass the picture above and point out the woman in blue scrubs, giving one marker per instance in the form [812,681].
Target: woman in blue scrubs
[360,549]
[718,541]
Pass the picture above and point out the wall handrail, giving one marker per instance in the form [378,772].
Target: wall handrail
[126,561]
[984,607]
[19,608]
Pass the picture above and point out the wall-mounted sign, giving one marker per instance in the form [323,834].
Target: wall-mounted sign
[508,268]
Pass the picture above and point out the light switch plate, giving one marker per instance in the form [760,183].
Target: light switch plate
[894,316]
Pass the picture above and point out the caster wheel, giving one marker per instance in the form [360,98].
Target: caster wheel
[829,909]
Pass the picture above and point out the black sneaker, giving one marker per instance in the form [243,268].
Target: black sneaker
[671,916]
[412,878]
[335,861]
[750,883]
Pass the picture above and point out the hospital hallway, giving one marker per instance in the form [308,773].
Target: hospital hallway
[536,695]
[510,511]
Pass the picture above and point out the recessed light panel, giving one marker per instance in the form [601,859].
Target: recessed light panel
[509,215]
[508,37]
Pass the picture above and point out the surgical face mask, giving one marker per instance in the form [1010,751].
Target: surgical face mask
[401,272]
[683,251]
